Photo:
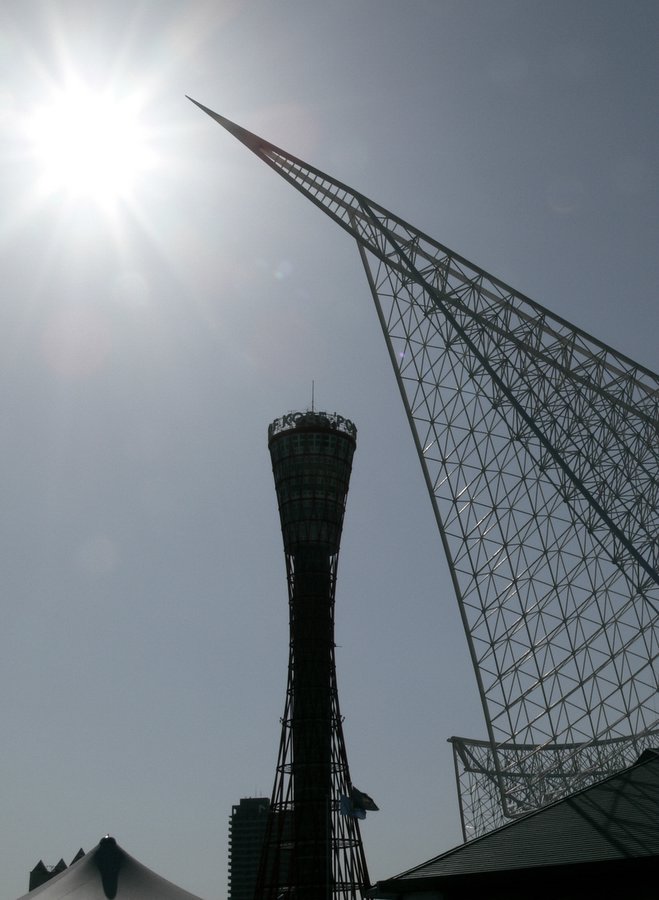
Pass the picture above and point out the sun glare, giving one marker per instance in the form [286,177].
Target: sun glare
[89,145]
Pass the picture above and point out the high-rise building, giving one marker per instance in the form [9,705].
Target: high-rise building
[313,848]
[247,827]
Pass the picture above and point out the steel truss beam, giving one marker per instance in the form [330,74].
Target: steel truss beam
[538,444]
[548,774]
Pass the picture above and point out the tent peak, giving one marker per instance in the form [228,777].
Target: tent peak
[108,859]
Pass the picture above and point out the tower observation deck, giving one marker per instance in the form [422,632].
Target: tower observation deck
[313,849]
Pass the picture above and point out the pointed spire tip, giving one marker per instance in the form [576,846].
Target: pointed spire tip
[252,141]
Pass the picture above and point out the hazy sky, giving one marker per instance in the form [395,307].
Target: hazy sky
[150,331]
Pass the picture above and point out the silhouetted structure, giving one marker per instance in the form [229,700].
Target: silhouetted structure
[601,842]
[247,828]
[41,873]
[313,848]
[538,444]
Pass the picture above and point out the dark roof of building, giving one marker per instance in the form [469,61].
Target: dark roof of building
[41,873]
[615,819]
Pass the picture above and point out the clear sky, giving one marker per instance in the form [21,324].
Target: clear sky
[157,316]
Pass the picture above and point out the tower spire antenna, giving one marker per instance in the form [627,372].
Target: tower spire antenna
[538,444]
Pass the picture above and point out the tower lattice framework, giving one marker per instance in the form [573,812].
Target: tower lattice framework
[538,444]
[313,848]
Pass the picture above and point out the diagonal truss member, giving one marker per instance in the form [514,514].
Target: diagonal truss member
[538,444]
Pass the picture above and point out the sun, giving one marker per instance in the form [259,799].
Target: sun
[89,144]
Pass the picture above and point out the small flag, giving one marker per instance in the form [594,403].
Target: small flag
[360,800]
[347,808]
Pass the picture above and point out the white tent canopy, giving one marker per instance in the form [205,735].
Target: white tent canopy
[107,872]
